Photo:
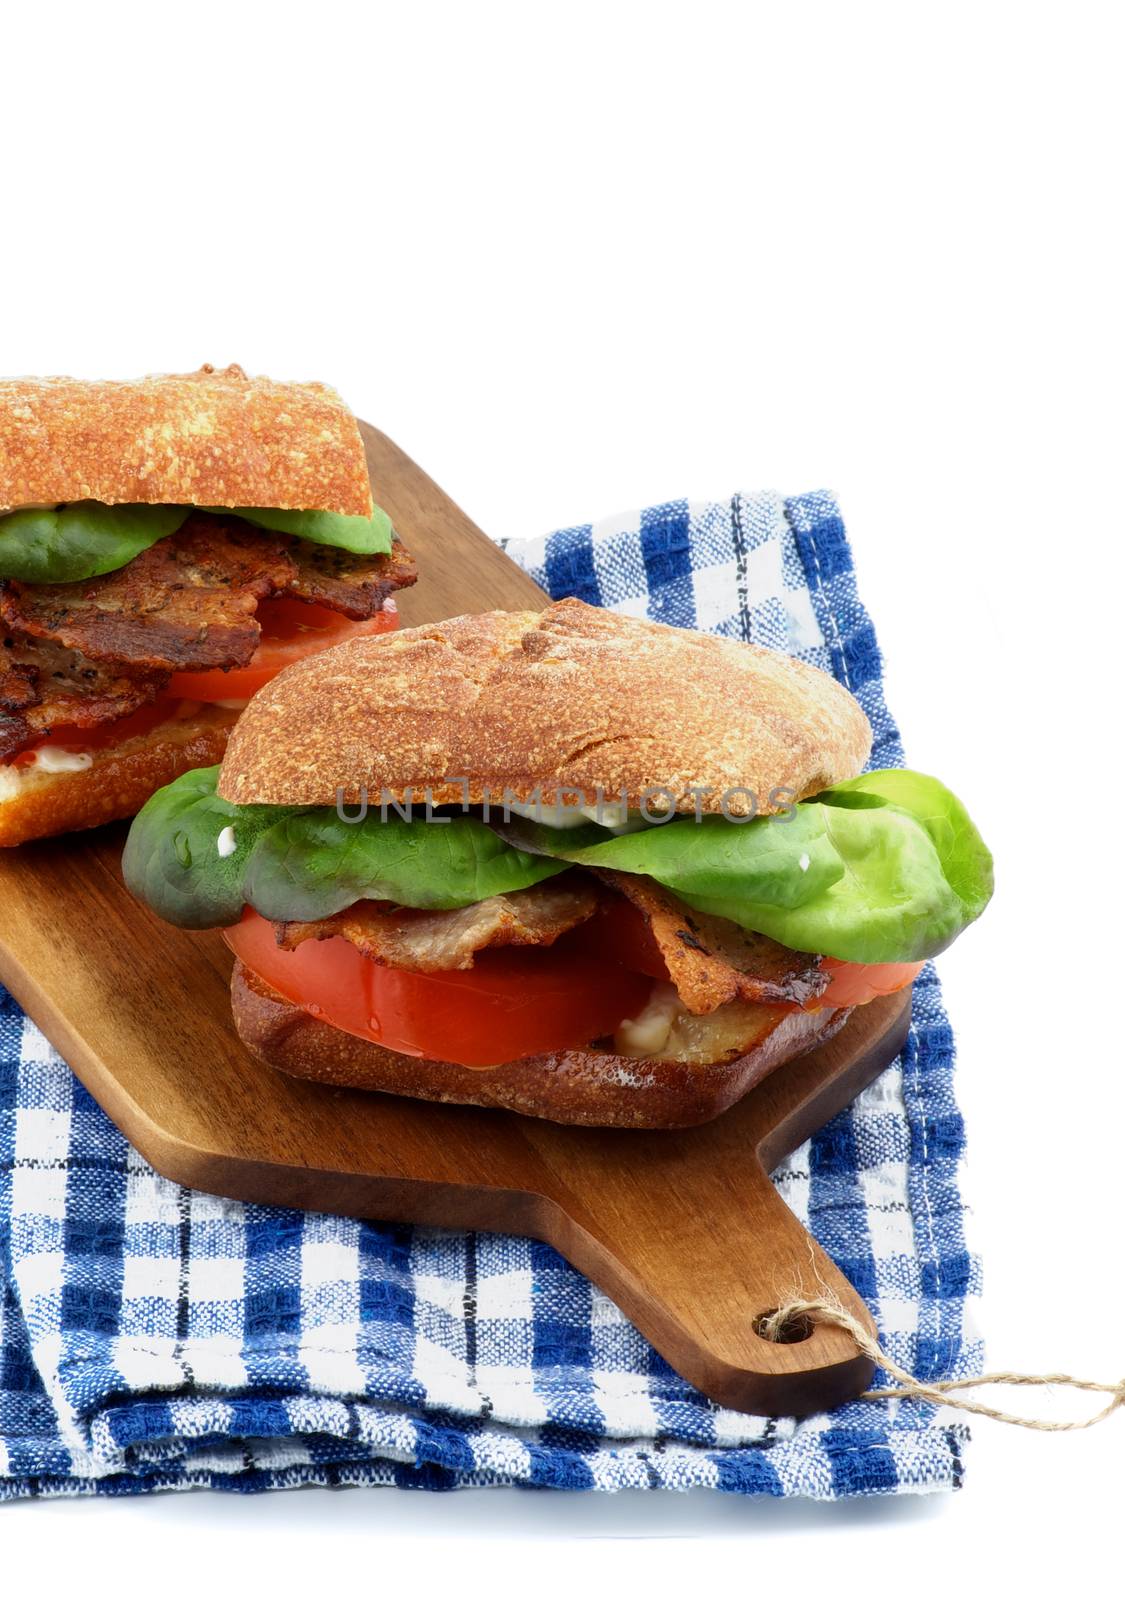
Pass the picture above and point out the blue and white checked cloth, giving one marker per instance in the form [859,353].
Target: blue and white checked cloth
[156,1338]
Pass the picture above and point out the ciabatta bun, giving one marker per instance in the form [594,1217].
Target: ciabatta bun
[570,698]
[203,438]
[35,804]
[592,1087]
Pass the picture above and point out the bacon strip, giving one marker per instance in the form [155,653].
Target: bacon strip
[712,961]
[43,685]
[356,586]
[185,604]
[447,941]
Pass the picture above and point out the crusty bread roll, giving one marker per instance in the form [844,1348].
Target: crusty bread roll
[206,438]
[570,698]
[592,1087]
[118,781]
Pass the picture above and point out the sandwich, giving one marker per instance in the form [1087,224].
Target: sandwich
[167,546]
[570,863]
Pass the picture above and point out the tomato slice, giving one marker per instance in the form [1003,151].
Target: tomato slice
[854,983]
[291,630]
[510,1003]
[107,733]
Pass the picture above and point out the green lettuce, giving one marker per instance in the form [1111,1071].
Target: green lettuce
[886,867]
[305,863]
[362,536]
[86,538]
[81,540]
[172,859]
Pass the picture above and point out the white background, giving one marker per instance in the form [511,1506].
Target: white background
[576,258]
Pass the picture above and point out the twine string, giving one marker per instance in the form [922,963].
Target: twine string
[779,1324]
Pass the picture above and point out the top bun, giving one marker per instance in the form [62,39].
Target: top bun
[569,698]
[203,438]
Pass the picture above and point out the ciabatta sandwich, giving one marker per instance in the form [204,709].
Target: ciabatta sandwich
[584,867]
[166,546]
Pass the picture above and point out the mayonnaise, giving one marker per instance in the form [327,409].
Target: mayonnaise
[647,1033]
[611,814]
[48,758]
[53,758]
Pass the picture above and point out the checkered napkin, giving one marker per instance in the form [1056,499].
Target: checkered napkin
[157,1338]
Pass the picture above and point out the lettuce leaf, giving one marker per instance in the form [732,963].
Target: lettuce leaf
[964,856]
[81,540]
[86,539]
[172,860]
[305,863]
[886,867]
[362,536]
[315,864]
[775,863]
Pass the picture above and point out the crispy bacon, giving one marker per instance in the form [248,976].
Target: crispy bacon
[81,654]
[19,681]
[446,941]
[712,961]
[43,685]
[185,604]
[356,586]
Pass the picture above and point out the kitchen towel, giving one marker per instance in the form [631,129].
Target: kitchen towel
[158,1338]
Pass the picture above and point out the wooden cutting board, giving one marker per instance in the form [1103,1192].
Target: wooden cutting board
[684,1230]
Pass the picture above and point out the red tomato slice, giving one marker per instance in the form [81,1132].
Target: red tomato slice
[511,1003]
[854,983]
[291,630]
[107,733]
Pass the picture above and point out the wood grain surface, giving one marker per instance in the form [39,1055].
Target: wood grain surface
[684,1230]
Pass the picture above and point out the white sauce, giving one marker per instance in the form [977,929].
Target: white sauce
[647,1034]
[225,843]
[612,815]
[803,863]
[50,758]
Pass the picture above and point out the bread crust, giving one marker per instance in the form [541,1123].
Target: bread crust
[119,781]
[206,438]
[571,698]
[587,1087]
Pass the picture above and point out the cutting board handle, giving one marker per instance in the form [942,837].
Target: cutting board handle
[697,1287]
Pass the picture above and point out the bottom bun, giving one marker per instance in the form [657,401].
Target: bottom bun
[35,803]
[591,1087]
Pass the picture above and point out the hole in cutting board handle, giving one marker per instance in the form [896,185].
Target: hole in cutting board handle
[794,1331]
